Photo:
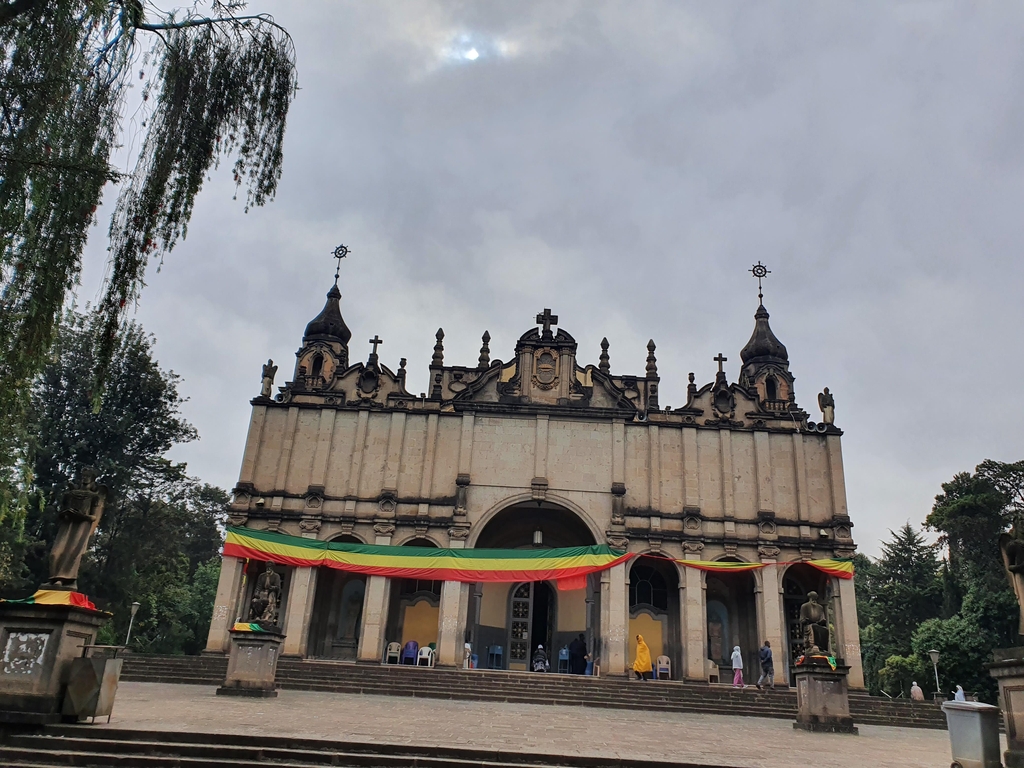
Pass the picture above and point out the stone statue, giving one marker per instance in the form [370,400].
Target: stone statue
[1011,546]
[79,512]
[814,623]
[827,404]
[266,598]
[269,372]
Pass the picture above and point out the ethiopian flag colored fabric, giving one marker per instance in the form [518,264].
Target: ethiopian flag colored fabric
[568,566]
[55,597]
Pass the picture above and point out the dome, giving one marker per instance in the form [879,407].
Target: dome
[763,346]
[329,325]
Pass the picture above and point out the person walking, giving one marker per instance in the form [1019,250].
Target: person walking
[767,678]
[642,666]
[959,695]
[737,667]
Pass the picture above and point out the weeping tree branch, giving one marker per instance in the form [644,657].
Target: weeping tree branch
[10,11]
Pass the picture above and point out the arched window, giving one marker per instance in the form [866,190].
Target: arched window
[771,388]
[318,364]
[647,587]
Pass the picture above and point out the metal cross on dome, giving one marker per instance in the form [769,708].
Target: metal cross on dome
[339,253]
[760,271]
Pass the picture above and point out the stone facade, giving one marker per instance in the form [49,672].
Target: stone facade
[545,451]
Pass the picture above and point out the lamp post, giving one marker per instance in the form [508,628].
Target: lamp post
[934,655]
[135,609]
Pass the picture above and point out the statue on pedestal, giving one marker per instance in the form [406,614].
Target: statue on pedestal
[79,512]
[827,404]
[269,372]
[814,623]
[1011,546]
[266,598]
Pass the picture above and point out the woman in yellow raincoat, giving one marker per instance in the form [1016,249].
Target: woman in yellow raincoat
[642,666]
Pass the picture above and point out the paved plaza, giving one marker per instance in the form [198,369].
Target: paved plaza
[745,742]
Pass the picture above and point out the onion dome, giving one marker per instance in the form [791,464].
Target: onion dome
[329,325]
[763,346]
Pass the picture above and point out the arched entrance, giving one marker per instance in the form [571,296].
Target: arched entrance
[508,621]
[414,607]
[797,583]
[337,618]
[654,609]
[732,621]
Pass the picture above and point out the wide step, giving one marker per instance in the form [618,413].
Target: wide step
[80,746]
[517,687]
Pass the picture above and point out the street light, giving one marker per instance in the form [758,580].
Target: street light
[935,664]
[135,609]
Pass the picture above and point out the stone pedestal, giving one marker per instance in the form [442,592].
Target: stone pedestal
[38,645]
[1008,670]
[252,664]
[822,697]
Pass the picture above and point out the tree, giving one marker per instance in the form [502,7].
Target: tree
[970,514]
[899,592]
[214,86]
[161,531]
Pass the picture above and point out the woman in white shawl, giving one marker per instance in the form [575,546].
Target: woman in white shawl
[737,667]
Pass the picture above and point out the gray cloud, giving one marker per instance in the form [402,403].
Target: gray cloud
[625,164]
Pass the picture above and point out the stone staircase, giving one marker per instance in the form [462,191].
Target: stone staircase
[78,745]
[526,688]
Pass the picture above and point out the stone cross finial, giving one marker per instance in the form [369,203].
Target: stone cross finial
[604,365]
[652,361]
[720,359]
[546,319]
[375,341]
[485,351]
[437,360]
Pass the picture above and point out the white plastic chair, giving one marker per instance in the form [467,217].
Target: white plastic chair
[663,668]
[426,657]
[393,654]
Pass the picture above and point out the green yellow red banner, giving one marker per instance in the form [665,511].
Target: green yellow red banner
[567,566]
[55,597]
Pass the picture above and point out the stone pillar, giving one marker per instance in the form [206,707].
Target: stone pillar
[300,611]
[375,605]
[771,611]
[1008,669]
[252,664]
[225,606]
[822,698]
[614,620]
[452,630]
[453,614]
[695,651]
[848,631]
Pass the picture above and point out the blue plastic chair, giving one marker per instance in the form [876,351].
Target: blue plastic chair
[409,653]
[563,661]
[495,657]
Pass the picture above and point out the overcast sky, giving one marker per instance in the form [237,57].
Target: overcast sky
[625,164]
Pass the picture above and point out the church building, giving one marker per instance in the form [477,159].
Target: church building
[545,451]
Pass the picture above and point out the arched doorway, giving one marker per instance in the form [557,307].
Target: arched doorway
[797,583]
[337,619]
[654,609]
[414,607]
[508,621]
[531,622]
[732,621]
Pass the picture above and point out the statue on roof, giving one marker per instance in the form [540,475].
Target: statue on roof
[827,404]
[269,372]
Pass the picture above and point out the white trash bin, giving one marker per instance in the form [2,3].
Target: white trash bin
[973,734]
